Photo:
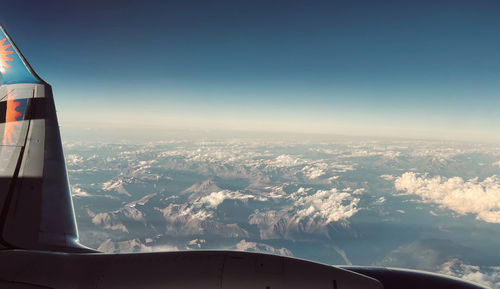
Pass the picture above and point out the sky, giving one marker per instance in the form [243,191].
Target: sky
[426,69]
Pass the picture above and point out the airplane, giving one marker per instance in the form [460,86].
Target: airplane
[39,245]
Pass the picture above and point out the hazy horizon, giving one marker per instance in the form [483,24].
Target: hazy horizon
[426,69]
[156,133]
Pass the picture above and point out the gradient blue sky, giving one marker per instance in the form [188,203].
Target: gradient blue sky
[407,68]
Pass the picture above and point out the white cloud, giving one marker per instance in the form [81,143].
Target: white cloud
[286,161]
[361,151]
[244,245]
[79,192]
[73,159]
[330,205]
[333,179]
[308,212]
[195,244]
[445,257]
[457,268]
[370,152]
[472,196]
[188,219]
[343,255]
[313,172]
[387,177]
[214,199]
[161,248]
[341,168]
[134,245]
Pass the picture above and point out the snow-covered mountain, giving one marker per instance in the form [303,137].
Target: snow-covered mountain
[335,201]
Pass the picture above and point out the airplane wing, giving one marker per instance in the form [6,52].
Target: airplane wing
[36,210]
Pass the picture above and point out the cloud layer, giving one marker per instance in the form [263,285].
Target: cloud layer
[472,196]
[457,268]
[307,212]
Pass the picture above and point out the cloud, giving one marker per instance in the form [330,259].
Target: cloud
[73,159]
[445,257]
[330,205]
[371,152]
[306,212]
[214,199]
[195,244]
[286,161]
[244,245]
[424,255]
[364,151]
[134,245]
[190,219]
[487,277]
[161,248]
[343,255]
[341,168]
[76,191]
[314,172]
[472,196]
[387,177]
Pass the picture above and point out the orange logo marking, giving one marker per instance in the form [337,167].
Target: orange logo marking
[11,122]
[4,56]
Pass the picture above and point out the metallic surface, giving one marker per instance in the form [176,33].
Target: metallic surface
[192,269]
[36,210]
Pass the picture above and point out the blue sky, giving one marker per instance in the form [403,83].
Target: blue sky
[405,68]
